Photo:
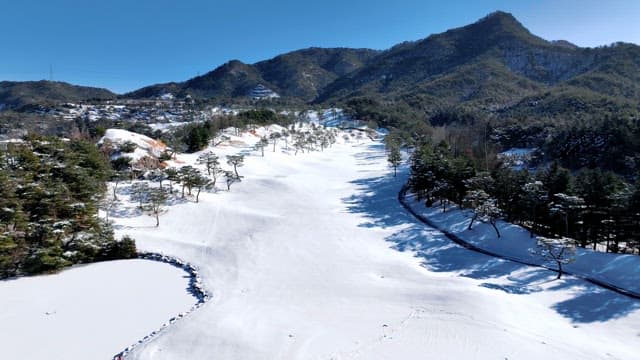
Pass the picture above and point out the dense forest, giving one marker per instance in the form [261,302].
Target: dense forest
[50,191]
[594,207]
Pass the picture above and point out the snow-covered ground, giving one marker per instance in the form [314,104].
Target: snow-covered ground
[622,271]
[312,257]
[518,158]
[91,311]
[144,145]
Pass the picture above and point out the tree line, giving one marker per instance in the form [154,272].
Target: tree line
[594,208]
[49,197]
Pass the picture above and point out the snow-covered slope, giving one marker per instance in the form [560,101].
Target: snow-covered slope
[312,257]
[89,312]
[145,146]
[618,270]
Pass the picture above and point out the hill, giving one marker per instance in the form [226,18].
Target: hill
[299,74]
[16,94]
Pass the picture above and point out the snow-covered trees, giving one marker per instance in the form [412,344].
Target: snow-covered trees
[50,192]
[484,208]
[593,207]
[560,251]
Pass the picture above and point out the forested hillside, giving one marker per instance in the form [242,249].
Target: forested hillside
[50,191]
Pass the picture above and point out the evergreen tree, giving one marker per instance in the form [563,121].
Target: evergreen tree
[157,199]
[210,161]
[261,144]
[274,137]
[236,161]
[394,158]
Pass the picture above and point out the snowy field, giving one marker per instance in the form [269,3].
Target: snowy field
[312,257]
[89,312]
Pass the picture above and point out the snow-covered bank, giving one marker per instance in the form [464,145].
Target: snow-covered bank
[89,311]
[312,257]
[614,270]
[195,288]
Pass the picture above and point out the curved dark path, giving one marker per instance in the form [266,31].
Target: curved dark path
[402,199]
[381,199]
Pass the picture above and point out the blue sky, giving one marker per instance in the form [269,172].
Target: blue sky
[123,45]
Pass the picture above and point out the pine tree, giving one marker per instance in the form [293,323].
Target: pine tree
[261,144]
[157,199]
[210,161]
[230,178]
[274,137]
[394,158]
[236,161]
[140,193]
[535,194]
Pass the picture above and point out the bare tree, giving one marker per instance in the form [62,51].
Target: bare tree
[561,251]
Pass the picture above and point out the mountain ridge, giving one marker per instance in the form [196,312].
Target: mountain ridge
[493,64]
[16,94]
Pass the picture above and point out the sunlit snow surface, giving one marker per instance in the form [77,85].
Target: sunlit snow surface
[89,312]
[312,257]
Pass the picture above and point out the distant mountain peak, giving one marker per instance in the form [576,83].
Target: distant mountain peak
[499,14]
[501,22]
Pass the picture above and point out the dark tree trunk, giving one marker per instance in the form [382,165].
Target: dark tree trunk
[559,270]
[475,216]
[493,223]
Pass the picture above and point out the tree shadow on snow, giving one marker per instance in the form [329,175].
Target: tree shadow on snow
[377,199]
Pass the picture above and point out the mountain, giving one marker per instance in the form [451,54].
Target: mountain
[467,63]
[495,66]
[16,94]
[492,65]
[305,73]
[299,74]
